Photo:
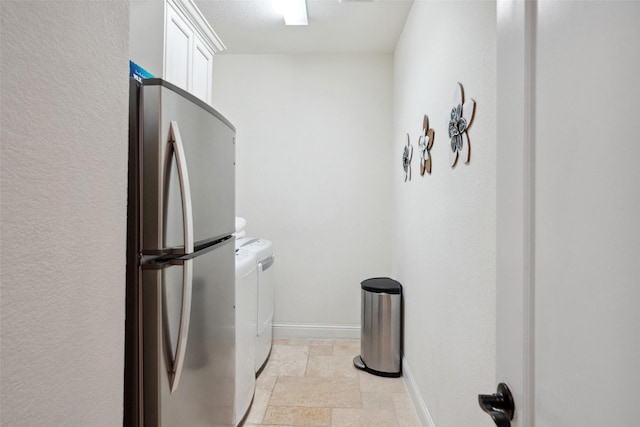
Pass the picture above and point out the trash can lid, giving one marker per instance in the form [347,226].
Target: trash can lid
[382,284]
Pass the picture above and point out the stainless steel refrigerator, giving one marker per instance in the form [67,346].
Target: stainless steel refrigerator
[180,320]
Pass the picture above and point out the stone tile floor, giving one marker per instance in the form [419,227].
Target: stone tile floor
[314,383]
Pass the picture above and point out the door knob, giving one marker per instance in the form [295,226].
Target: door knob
[499,405]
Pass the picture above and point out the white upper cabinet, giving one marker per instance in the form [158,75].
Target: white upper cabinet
[172,40]
[202,72]
[178,51]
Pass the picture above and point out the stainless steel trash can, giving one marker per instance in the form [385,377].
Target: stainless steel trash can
[381,327]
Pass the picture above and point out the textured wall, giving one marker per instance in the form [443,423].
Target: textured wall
[313,173]
[64,162]
[444,224]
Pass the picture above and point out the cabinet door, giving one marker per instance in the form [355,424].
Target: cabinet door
[178,50]
[202,70]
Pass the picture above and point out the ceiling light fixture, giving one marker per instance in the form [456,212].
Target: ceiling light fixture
[294,12]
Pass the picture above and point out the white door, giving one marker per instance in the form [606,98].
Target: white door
[568,330]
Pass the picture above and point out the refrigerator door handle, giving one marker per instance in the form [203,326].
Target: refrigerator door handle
[175,141]
[175,145]
[183,331]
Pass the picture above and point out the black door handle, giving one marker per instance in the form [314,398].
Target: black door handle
[500,418]
[499,405]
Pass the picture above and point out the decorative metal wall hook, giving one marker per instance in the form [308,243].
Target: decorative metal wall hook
[425,142]
[407,155]
[459,121]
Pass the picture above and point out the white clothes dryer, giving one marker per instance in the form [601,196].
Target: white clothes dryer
[246,321]
[263,249]
[241,223]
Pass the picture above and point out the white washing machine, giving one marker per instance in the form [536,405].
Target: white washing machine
[263,249]
[246,324]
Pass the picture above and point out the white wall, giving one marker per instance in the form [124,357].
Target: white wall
[444,225]
[64,177]
[313,174]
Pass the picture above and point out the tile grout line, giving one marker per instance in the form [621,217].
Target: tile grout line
[333,353]
[269,399]
[306,365]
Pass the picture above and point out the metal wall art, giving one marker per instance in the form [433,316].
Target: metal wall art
[407,155]
[425,142]
[461,118]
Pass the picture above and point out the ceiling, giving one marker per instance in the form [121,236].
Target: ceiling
[335,26]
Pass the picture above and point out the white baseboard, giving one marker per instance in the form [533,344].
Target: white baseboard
[315,331]
[418,403]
